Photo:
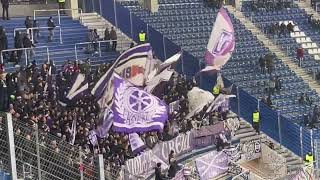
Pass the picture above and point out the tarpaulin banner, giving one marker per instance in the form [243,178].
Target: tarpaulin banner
[212,164]
[206,135]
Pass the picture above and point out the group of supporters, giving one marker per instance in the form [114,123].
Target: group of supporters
[36,95]
[24,39]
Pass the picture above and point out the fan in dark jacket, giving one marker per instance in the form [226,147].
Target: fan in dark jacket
[158,173]
[18,43]
[27,43]
[3,40]
[28,23]
[51,26]
[5,9]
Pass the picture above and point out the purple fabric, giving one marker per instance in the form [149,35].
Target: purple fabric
[101,85]
[136,143]
[212,165]
[102,131]
[136,110]
[221,42]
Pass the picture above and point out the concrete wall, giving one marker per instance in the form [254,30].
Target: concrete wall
[72,4]
[27,10]
[272,162]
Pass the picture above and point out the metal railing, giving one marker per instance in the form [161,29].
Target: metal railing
[43,157]
[121,46]
[4,145]
[58,13]
[27,56]
[32,31]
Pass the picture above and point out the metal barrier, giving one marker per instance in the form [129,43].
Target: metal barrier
[88,46]
[26,54]
[32,38]
[58,12]
[4,145]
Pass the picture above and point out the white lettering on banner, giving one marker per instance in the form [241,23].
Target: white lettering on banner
[250,150]
[140,165]
[179,145]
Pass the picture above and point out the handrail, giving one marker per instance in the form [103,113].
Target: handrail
[99,43]
[25,52]
[32,38]
[59,14]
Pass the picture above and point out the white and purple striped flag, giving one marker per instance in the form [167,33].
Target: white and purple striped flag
[137,145]
[136,110]
[131,65]
[221,43]
[162,74]
[79,88]
[93,138]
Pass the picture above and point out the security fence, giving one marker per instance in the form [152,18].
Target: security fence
[39,155]
[4,145]
[281,128]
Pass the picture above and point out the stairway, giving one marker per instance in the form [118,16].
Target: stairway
[95,21]
[309,10]
[275,49]
[247,133]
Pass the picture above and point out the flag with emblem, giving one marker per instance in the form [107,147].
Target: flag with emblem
[136,110]
[129,65]
[221,43]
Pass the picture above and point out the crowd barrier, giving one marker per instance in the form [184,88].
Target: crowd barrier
[296,138]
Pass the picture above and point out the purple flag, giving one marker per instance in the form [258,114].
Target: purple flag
[137,145]
[174,106]
[103,90]
[212,165]
[221,43]
[93,138]
[102,131]
[136,110]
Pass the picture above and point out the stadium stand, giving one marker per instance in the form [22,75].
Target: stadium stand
[193,39]
[184,25]
[72,32]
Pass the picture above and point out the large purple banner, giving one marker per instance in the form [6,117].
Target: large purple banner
[183,144]
[136,110]
[212,164]
[206,135]
[180,145]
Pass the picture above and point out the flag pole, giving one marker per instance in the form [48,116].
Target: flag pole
[182,64]
[200,74]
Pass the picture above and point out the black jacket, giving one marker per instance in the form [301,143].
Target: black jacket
[18,42]
[3,40]
[5,3]
[28,23]
[158,174]
[51,24]
[27,43]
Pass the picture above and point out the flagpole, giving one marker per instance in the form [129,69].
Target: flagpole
[182,64]
[200,78]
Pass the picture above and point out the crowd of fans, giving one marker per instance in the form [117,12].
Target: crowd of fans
[27,94]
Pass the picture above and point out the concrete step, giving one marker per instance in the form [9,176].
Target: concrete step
[244,130]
